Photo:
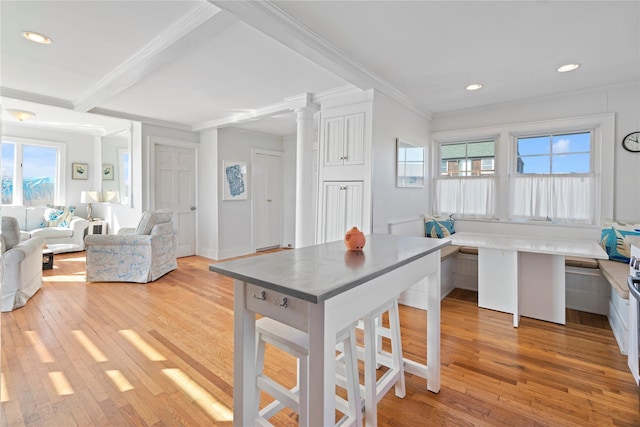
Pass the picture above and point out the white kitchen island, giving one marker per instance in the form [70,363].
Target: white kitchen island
[319,290]
[525,275]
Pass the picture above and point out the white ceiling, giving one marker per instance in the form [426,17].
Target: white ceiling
[194,64]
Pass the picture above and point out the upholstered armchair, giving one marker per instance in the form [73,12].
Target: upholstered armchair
[20,266]
[138,255]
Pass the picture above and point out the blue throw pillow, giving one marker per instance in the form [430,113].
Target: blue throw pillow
[435,227]
[620,246]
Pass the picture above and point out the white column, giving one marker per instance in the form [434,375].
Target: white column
[305,212]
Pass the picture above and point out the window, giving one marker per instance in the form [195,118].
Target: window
[30,174]
[467,184]
[554,178]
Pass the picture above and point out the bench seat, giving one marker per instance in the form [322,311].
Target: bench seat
[448,251]
[582,262]
[616,273]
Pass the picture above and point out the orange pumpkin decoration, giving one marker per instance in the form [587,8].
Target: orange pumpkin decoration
[354,239]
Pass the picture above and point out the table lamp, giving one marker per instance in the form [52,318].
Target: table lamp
[89,197]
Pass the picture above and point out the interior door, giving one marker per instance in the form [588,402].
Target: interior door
[175,185]
[267,201]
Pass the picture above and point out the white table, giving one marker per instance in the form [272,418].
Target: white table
[327,287]
[525,275]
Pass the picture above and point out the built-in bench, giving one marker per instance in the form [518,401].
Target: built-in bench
[596,286]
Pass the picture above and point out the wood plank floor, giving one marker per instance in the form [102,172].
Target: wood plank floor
[161,354]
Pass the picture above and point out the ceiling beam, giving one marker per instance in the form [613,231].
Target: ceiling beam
[277,24]
[167,46]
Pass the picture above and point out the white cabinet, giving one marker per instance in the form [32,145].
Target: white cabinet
[344,140]
[342,208]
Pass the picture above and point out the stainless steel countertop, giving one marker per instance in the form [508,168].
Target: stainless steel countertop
[316,273]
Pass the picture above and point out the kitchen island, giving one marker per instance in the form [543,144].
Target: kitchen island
[319,290]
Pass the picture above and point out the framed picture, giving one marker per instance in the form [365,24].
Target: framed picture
[234,180]
[79,171]
[107,172]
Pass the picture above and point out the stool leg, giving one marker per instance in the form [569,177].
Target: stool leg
[353,386]
[398,361]
[370,386]
[303,391]
[259,371]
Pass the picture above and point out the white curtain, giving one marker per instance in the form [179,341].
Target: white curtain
[562,197]
[466,196]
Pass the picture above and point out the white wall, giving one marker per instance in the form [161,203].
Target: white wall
[208,195]
[80,148]
[390,121]
[623,101]
[233,235]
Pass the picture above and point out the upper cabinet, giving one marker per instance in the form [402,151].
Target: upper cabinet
[344,139]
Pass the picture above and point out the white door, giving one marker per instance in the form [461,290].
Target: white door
[175,185]
[267,200]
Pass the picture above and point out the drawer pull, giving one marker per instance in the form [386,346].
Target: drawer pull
[262,296]
[283,304]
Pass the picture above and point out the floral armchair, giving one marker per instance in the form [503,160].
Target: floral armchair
[138,255]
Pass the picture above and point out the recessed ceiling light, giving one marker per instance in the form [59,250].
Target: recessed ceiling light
[474,86]
[36,37]
[568,67]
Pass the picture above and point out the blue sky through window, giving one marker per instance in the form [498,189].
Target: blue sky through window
[556,154]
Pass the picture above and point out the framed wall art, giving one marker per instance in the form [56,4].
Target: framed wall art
[234,180]
[79,171]
[107,172]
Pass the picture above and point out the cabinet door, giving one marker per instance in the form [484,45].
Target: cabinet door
[342,209]
[333,141]
[354,139]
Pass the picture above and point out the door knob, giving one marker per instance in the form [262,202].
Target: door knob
[193,208]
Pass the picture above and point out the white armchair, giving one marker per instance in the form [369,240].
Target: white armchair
[138,255]
[20,266]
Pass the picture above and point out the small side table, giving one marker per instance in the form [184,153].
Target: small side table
[47,259]
[98,226]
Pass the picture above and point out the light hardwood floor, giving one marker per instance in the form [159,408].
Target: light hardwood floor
[161,354]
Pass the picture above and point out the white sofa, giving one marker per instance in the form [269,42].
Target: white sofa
[20,266]
[58,239]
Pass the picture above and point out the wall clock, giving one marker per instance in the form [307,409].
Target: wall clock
[631,142]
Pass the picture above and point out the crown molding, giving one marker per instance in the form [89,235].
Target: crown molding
[7,92]
[142,119]
[304,100]
[277,24]
[162,49]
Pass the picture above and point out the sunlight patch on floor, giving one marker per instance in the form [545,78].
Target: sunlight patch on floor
[88,345]
[60,383]
[4,392]
[64,278]
[203,398]
[40,348]
[120,380]
[142,346]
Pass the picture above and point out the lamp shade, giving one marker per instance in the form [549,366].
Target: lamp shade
[111,197]
[90,197]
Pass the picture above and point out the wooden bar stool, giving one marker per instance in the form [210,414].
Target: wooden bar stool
[296,343]
[375,357]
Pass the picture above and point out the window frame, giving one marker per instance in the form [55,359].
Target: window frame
[551,155]
[439,176]
[59,188]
